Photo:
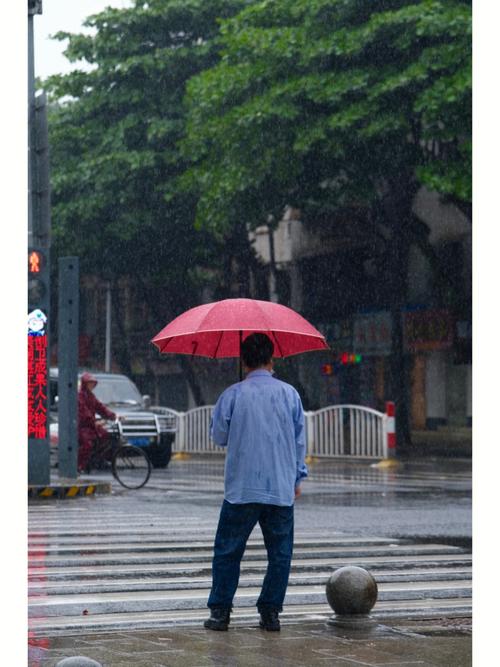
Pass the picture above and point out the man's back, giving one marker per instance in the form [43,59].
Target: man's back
[261,421]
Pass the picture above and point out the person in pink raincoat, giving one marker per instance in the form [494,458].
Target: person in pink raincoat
[88,430]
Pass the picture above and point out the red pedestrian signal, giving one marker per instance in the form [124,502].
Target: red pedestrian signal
[35,261]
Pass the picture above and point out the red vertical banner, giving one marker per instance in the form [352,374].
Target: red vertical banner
[37,387]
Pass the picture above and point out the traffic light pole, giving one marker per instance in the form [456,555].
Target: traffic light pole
[31,113]
[38,274]
[67,359]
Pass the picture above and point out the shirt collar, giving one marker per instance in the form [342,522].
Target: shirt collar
[259,371]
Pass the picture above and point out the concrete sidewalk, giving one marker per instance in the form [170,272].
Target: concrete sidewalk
[426,643]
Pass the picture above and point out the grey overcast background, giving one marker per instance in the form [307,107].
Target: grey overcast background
[67,15]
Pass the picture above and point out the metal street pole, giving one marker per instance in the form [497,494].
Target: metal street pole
[31,113]
[273,294]
[107,358]
[38,273]
[67,358]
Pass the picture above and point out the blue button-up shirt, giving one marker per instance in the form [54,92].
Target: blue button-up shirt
[261,421]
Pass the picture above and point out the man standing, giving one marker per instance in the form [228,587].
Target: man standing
[261,421]
[88,430]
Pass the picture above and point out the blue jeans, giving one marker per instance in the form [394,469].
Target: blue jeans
[236,522]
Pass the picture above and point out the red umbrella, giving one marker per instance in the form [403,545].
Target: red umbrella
[216,329]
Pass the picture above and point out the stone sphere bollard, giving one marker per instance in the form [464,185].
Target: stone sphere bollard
[351,590]
[78,661]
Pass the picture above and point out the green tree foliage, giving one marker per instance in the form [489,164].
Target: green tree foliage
[114,134]
[319,103]
[331,105]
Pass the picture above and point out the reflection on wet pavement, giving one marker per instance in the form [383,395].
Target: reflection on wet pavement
[124,578]
[296,645]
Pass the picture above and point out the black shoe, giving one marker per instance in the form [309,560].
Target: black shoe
[269,620]
[219,619]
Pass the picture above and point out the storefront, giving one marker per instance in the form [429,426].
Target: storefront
[441,352]
[438,355]
[428,337]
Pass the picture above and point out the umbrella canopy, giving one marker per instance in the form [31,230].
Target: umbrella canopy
[216,330]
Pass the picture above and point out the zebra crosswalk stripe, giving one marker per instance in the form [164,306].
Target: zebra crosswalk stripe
[115,572]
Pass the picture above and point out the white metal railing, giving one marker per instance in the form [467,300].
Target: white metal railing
[347,430]
[335,431]
[196,431]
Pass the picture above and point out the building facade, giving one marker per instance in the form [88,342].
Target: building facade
[338,280]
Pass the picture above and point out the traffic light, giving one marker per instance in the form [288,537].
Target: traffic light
[340,360]
[38,348]
[38,280]
[349,359]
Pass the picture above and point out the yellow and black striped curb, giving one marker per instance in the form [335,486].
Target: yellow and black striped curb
[387,463]
[68,490]
[181,456]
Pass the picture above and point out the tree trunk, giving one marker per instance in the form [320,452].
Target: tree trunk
[239,261]
[399,361]
[188,370]
[273,295]
[184,361]
[121,347]
[397,205]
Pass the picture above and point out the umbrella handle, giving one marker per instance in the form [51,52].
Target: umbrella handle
[241,369]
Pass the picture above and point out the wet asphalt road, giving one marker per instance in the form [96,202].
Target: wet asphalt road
[137,562]
[420,499]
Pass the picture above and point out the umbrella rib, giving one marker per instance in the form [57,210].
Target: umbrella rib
[209,310]
[164,347]
[278,344]
[273,332]
[218,344]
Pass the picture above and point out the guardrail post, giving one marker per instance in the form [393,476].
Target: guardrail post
[390,411]
[309,429]
[180,439]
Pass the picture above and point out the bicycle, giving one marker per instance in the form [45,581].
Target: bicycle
[129,464]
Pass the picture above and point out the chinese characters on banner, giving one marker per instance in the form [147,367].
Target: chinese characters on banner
[373,334]
[428,330]
[37,386]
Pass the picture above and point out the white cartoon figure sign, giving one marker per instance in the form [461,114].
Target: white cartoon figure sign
[36,323]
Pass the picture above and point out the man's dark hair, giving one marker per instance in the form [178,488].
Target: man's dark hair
[257,350]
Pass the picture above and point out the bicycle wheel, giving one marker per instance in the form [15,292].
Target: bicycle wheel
[131,466]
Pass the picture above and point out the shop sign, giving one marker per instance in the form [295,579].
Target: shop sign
[372,334]
[338,334]
[428,330]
